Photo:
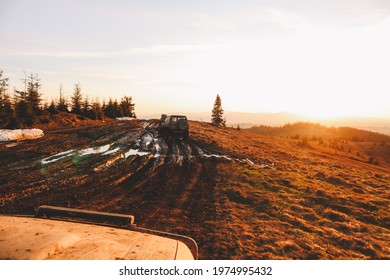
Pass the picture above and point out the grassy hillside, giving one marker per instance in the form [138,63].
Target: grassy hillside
[299,199]
[348,142]
[312,130]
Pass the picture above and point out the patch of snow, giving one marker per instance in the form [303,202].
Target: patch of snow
[267,164]
[133,152]
[105,150]
[20,134]
[203,154]
[62,153]
[137,143]
[95,150]
[146,139]
[179,160]
[146,123]
[11,145]
[200,151]
[56,157]
[217,156]
[125,119]
[111,151]
[247,160]
[157,151]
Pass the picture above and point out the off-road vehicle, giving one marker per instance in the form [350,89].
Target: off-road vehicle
[176,125]
[76,234]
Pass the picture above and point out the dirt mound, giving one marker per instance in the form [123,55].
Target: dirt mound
[63,120]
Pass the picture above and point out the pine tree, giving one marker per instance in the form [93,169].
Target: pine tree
[52,109]
[33,99]
[86,107]
[127,107]
[117,110]
[110,110]
[6,110]
[3,84]
[217,113]
[22,108]
[28,102]
[76,99]
[97,110]
[33,95]
[62,105]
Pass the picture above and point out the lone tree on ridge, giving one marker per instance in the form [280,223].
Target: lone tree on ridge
[217,113]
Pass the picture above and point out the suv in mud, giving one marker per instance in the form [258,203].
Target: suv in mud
[174,125]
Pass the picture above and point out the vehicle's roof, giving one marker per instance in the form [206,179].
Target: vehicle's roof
[178,116]
[31,238]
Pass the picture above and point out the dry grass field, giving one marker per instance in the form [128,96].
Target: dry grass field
[300,199]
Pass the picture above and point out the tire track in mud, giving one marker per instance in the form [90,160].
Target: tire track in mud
[171,189]
[106,188]
[156,174]
[63,180]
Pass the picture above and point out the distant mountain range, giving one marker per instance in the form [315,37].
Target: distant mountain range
[246,120]
[306,130]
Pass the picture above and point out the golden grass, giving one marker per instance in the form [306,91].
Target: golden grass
[312,204]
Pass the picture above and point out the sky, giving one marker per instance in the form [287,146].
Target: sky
[316,58]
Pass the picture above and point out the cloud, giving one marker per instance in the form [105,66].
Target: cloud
[285,15]
[157,50]
[340,13]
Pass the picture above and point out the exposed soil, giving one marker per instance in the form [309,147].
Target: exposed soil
[240,196]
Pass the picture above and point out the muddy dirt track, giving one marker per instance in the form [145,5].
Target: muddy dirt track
[167,184]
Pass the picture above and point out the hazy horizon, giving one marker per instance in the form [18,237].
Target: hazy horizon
[318,59]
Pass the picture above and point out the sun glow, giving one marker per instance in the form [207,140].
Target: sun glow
[321,73]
